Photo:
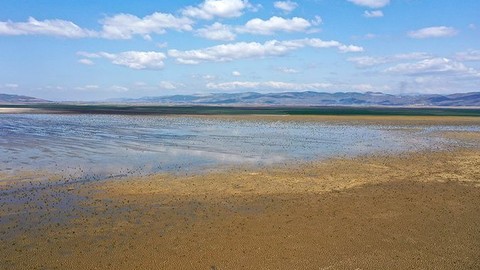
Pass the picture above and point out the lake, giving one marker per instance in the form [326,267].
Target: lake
[103,146]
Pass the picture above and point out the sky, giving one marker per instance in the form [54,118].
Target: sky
[96,50]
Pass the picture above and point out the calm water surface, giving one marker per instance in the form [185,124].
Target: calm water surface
[113,145]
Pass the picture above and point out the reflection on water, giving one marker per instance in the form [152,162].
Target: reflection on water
[109,145]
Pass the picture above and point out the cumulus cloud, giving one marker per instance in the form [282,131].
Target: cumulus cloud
[434,66]
[245,50]
[56,27]
[286,6]
[275,24]
[131,59]
[216,31]
[371,3]
[373,13]
[369,61]
[120,26]
[433,32]
[285,86]
[210,9]
[125,26]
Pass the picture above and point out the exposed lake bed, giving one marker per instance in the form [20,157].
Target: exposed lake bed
[341,195]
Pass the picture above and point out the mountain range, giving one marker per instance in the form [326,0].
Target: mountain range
[311,98]
[16,99]
[308,98]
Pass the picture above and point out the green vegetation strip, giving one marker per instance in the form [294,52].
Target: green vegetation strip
[225,110]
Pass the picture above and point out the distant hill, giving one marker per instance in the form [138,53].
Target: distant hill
[16,99]
[308,98]
[311,98]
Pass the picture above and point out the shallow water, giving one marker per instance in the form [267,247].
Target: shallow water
[71,150]
[99,146]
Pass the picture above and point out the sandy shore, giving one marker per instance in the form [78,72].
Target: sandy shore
[18,110]
[417,210]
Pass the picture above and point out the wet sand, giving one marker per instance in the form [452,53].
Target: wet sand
[416,210]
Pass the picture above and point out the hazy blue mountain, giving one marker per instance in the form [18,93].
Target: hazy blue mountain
[16,99]
[308,98]
[311,98]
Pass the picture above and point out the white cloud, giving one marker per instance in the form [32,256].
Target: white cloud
[125,26]
[236,73]
[412,56]
[370,36]
[275,24]
[367,36]
[287,70]
[373,13]
[438,84]
[162,45]
[118,88]
[434,67]
[11,85]
[209,77]
[245,50]
[56,27]
[55,87]
[167,85]
[86,61]
[88,87]
[140,84]
[471,55]
[287,6]
[210,9]
[349,48]
[88,55]
[433,32]
[285,86]
[369,61]
[317,20]
[371,3]
[120,26]
[266,85]
[131,59]
[217,31]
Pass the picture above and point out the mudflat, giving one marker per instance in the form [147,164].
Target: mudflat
[415,210]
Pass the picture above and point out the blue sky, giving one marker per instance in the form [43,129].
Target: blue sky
[93,50]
